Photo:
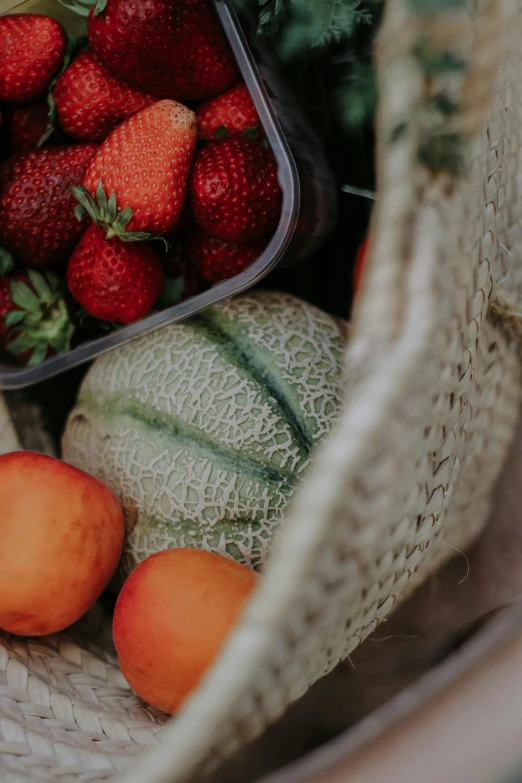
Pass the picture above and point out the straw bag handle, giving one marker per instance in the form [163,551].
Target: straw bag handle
[437,75]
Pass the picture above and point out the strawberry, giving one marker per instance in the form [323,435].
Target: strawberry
[235,194]
[25,126]
[233,112]
[113,280]
[32,48]
[91,102]
[34,320]
[217,260]
[173,48]
[146,163]
[37,221]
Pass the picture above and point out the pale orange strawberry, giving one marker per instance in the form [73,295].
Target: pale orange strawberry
[146,164]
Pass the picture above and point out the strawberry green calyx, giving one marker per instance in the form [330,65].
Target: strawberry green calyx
[104,212]
[42,321]
[80,7]
[6,261]
[99,7]
[255,133]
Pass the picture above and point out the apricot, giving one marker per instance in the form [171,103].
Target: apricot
[172,618]
[61,536]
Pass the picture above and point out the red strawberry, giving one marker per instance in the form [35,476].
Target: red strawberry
[37,221]
[91,102]
[217,260]
[173,48]
[235,194]
[114,280]
[34,320]
[25,126]
[32,48]
[233,111]
[146,163]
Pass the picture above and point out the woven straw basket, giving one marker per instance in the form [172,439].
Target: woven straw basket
[434,388]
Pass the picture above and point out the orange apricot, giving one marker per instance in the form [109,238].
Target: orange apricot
[172,617]
[61,535]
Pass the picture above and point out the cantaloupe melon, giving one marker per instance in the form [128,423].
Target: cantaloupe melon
[204,428]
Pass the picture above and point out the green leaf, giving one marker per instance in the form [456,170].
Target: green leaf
[79,212]
[22,296]
[87,202]
[112,208]
[120,224]
[54,282]
[100,7]
[101,198]
[32,320]
[320,24]
[14,317]
[40,285]
[39,354]
[23,342]
[60,339]
[80,7]
[253,133]
[6,261]
[221,133]
[272,13]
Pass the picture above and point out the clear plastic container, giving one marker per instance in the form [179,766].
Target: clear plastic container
[309,195]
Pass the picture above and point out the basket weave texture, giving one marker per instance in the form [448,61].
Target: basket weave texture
[434,388]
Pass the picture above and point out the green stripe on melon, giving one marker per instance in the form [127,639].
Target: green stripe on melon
[202,429]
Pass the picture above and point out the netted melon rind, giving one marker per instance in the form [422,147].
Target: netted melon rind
[203,428]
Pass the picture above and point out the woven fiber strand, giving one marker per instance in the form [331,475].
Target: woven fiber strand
[432,401]
[66,712]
